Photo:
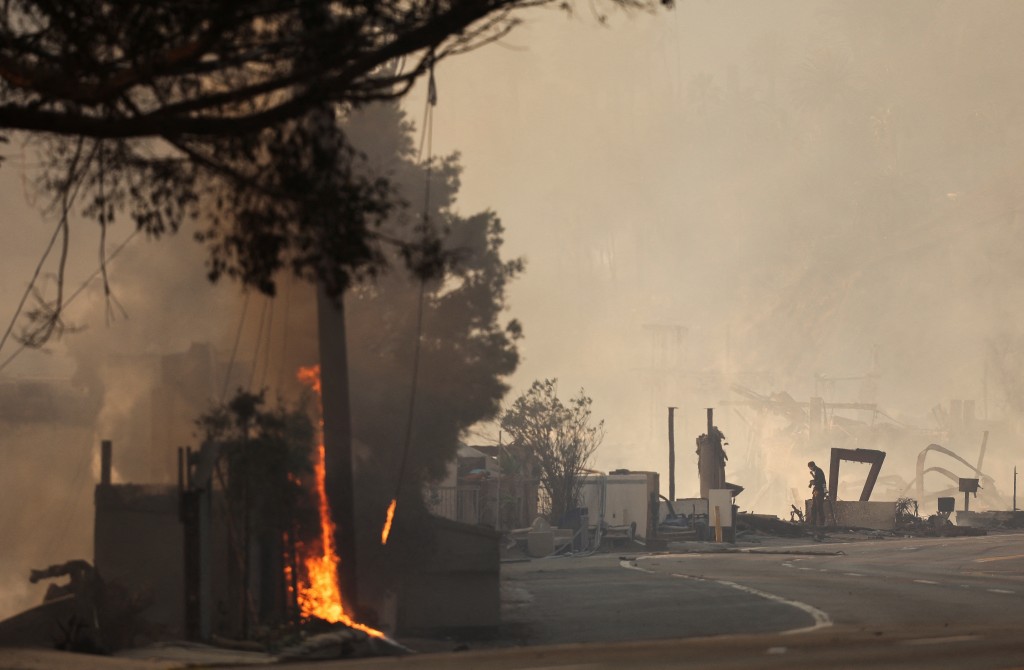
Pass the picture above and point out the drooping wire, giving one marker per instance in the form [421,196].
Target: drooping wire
[284,332]
[266,346]
[234,349]
[426,140]
[259,343]
[77,292]
[31,284]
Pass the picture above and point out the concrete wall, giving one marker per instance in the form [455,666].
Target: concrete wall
[458,588]
[857,514]
[990,519]
[139,545]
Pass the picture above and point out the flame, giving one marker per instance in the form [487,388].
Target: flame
[319,591]
[387,523]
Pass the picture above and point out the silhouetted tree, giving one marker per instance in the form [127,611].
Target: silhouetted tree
[467,345]
[160,109]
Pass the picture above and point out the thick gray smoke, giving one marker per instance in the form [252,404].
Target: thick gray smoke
[818,198]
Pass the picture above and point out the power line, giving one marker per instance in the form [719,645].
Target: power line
[266,348]
[234,349]
[284,332]
[31,284]
[427,140]
[259,342]
[77,292]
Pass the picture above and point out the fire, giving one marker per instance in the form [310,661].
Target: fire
[319,593]
[387,523]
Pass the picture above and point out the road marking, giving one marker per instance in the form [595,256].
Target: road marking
[853,574]
[631,565]
[925,581]
[940,640]
[990,559]
[821,619]
[788,565]
[1000,591]
[805,568]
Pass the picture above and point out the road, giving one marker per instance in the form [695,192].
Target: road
[894,603]
[885,585]
[901,603]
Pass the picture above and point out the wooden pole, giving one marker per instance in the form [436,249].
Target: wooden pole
[337,417]
[497,505]
[106,460]
[671,453]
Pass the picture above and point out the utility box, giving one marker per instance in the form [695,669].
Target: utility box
[947,504]
[621,499]
[968,485]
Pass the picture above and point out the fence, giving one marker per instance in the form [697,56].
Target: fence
[479,502]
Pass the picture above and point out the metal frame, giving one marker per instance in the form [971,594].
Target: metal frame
[872,456]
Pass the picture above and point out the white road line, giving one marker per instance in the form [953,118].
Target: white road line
[1000,591]
[787,565]
[821,619]
[853,574]
[630,565]
[805,568]
[925,581]
[940,640]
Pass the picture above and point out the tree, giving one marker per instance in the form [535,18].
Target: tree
[164,109]
[467,344]
[559,437]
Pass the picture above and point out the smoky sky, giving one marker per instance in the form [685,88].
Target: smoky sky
[726,193]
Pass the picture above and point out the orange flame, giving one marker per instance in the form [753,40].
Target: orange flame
[320,593]
[387,523]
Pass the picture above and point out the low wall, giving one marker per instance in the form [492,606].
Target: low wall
[856,514]
[990,519]
[458,588]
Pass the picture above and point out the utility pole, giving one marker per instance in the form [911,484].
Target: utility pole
[1015,488]
[497,514]
[339,480]
[672,453]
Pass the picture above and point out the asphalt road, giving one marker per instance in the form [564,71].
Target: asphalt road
[888,585]
[894,603]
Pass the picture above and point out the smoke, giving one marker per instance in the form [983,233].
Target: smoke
[96,383]
[818,198]
[818,190]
